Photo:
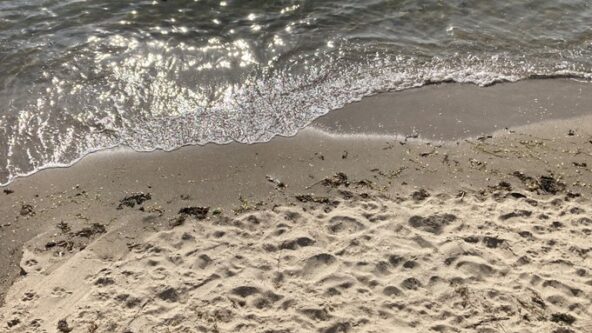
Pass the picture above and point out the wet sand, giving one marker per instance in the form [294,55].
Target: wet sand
[452,111]
[318,232]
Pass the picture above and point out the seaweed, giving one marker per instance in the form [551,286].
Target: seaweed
[199,213]
[134,199]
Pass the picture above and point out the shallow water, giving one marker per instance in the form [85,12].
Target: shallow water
[79,76]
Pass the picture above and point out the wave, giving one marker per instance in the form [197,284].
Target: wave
[163,95]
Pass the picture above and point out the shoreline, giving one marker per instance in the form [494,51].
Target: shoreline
[395,113]
[239,179]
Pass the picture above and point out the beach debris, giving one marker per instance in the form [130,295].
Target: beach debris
[502,186]
[344,155]
[68,245]
[571,132]
[7,191]
[530,183]
[217,211]
[505,186]
[365,183]
[199,213]
[412,136]
[312,198]
[580,164]
[278,184]
[547,184]
[563,318]
[476,164]
[153,209]
[63,326]
[336,180]
[390,174]
[82,217]
[185,197]
[246,206]
[551,185]
[320,156]
[27,210]
[485,137]
[420,195]
[134,199]
[94,229]
[64,227]
[428,153]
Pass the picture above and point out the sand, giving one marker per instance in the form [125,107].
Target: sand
[315,233]
[452,111]
[359,262]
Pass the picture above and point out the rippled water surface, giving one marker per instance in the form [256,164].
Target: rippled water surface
[78,76]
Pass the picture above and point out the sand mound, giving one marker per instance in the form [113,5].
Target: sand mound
[504,262]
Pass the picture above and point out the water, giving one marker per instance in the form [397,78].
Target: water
[79,76]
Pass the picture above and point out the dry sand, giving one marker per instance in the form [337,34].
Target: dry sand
[359,262]
[316,233]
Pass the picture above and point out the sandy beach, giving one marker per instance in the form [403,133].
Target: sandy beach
[478,225]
